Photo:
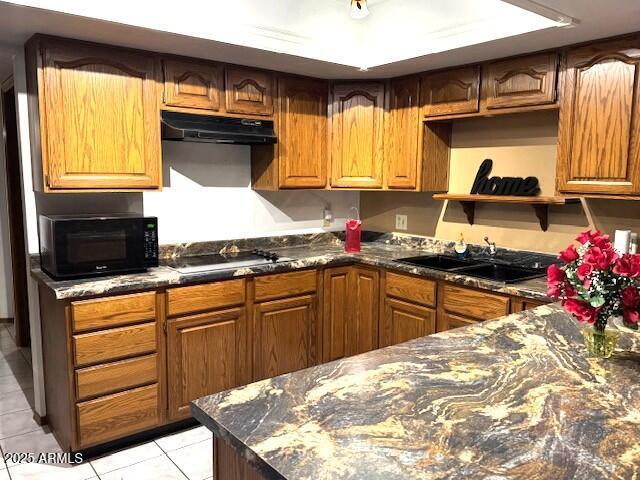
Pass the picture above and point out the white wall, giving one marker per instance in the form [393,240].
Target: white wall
[6,278]
[207,196]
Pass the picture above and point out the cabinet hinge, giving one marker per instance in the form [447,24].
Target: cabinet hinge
[46,181]
[164,325]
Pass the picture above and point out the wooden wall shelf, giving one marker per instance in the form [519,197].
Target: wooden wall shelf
[540,204]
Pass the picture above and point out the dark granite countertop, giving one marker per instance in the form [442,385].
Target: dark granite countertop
[318,250]
[510,398]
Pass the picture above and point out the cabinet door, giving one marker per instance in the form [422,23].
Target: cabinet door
[451,92]
[350,313]
[336,312]
[362,332]
[405,321]
[284,336]
[302,132]
[599,132]
[206,353]
[447,321]
[402,152]
[249,91]
[521,81]
[192,84]
[99,118]
[357,135]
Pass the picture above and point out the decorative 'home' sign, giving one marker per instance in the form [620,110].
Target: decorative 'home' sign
[517,186]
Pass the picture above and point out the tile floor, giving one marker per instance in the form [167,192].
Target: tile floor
[184,455]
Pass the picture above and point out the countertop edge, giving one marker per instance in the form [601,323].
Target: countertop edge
[166,277]
[238,446]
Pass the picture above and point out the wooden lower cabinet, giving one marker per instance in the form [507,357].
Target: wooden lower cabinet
[520,304]
[408,308]
[228,464]
[461,306]
[120,365]
[448,321]
[284,336]
[206,353]
[118,415]
[350,311]
[405,321]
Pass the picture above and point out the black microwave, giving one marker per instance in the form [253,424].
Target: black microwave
[74,246]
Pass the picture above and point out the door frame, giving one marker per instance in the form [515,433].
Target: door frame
[15,206]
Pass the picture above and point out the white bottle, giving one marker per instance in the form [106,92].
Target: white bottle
[633,243]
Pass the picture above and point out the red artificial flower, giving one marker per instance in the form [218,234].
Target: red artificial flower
[583,312]
[555,281]
[569,254]
[570,292]
[584,271]
[628,266]
[630,316]
[555,273]
[595,238]
[600,258]
[630,298]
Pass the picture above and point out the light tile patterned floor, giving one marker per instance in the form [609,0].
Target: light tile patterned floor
[185,455]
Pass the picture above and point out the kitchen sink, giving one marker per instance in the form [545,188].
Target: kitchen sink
[502,273]
[438,262]
[475,268]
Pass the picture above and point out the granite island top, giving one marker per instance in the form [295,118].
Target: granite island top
[515,397]
[310,251]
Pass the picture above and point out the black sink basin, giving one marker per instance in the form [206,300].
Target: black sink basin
[498,272]
[438,262]
[501,273]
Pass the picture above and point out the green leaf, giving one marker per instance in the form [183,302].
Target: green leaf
[596,301]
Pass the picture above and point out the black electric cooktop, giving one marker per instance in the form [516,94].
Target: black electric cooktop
[221,261]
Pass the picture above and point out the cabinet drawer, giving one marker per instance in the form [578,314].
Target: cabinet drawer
[474,303]
[116,376]
[112,344]
[210,296]
[284,285]
[413,289]
[112,311]
[118,415]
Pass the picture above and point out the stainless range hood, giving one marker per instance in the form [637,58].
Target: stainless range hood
[211,129]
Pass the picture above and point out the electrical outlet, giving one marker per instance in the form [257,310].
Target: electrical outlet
[401,222]
[327,217]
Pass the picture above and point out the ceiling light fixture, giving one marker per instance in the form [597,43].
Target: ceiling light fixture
[359,9]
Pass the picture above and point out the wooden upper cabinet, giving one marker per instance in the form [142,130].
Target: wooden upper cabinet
[402,149]
[599,133]
[302,132]
[190,84]
[249,91]
[451,92]
[357,131]
[99,119]
[520,82]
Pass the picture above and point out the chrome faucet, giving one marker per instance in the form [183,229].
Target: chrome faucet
[492,246]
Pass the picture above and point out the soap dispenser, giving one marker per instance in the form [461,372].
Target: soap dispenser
[353,232]
[460,247]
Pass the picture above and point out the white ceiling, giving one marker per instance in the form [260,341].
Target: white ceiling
[317,37]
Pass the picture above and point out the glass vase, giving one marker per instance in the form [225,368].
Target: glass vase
[600,343]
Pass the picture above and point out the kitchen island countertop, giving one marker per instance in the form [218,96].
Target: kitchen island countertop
[515,397]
